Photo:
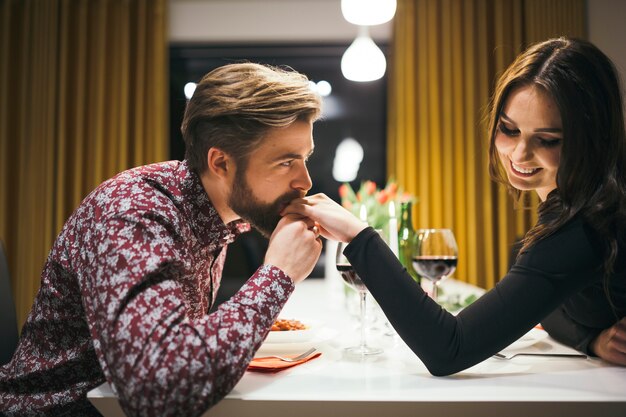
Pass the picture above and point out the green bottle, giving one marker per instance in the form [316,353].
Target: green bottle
[406,238]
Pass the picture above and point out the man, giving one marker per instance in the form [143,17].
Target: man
[127,287]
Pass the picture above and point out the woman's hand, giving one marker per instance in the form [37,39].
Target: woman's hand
[335,222]
[610,345]
[294,247]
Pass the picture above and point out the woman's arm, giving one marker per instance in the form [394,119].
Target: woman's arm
[542,279]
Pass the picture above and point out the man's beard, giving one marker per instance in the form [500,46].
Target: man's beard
[263,216]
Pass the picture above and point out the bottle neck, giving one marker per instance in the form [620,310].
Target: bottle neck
[406,219]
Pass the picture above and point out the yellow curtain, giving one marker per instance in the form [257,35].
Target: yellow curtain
[445,58]
[83,97]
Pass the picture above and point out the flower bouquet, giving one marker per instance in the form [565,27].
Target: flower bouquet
[372,204]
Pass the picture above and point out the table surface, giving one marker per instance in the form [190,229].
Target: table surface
[397,383]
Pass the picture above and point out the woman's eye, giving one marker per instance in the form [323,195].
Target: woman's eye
[508,132]
[549,143]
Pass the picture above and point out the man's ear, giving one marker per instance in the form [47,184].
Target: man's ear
[220,164]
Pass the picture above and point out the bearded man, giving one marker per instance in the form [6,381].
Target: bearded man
[127,288]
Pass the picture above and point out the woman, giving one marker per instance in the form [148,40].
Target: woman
[556,128]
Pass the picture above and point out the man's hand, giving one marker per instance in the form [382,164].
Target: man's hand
[610,345]
[294,247]
[335,222]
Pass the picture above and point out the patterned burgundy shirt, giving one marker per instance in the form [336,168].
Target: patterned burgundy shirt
[124,297]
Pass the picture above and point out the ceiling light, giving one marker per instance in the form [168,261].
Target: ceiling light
[363,60]
[324,88]
[368,12]
[189,90]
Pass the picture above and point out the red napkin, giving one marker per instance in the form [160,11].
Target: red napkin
[271,364]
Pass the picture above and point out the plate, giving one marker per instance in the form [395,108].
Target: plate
[320,336]
[294,336]
[529,339]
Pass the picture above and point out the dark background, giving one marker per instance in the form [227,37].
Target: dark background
[353,109]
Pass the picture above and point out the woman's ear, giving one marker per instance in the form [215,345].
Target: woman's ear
[219,163]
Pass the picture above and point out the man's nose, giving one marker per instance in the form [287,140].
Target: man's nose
[302,181]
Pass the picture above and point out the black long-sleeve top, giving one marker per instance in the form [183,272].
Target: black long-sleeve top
[557,282]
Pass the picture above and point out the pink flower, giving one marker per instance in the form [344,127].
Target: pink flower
[382,197]
[370,187]
[343,191]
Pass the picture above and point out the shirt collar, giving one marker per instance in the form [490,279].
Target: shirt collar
[205,221]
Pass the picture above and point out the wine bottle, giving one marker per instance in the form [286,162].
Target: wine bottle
[406,237]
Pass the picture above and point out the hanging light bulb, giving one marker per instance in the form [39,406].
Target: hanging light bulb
[368,12]
[363,60]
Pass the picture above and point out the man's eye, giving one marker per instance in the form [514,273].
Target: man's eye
[508,132]
[286,163]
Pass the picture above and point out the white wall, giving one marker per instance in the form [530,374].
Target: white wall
[607,30]
[263,21]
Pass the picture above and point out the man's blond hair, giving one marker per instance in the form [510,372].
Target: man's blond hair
[235,105]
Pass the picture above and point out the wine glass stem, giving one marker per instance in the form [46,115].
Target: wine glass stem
[363,296]
[435,284]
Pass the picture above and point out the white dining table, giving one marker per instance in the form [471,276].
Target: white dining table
[396,383]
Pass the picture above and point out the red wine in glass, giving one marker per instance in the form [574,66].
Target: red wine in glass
[435,267]
[350,276]
[435,255]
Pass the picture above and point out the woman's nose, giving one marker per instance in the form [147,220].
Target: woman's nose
[522,151]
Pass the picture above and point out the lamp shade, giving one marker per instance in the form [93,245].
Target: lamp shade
[368,12]
[363,60]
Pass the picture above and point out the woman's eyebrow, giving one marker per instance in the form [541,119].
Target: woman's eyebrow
[507,119]
[550,130]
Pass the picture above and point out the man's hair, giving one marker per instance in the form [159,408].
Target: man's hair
[235,105]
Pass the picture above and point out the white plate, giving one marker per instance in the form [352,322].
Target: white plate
[529,339]
[294,336]
[320,337]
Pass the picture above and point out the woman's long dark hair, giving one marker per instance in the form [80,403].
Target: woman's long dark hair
[591,178]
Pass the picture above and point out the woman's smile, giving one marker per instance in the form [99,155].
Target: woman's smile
[523,172]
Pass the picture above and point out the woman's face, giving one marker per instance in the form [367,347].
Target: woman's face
[528,139]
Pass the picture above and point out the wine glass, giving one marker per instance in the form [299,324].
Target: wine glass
[435,255]
[351,278]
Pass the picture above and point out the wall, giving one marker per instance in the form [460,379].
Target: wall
[263,21]
[607,29]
